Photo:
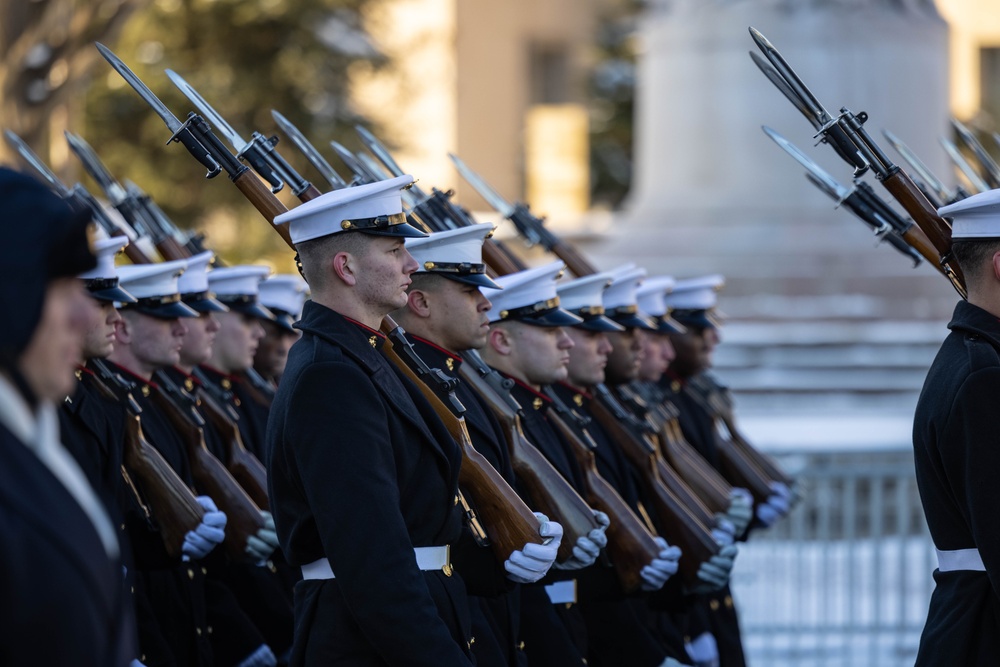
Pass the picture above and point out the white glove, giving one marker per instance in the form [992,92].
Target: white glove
[661,568]
[671,662]
[588,547]
[262,545]
[724,531]
[136,663]
[776,505]
[530,563]
[740,511]
[714,573]
[209,533]
[262,657]
[703,650]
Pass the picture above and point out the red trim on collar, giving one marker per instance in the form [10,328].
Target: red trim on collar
[364,326]
[437,347]
[129,375]
[84,369]
[221,374]
[529,388]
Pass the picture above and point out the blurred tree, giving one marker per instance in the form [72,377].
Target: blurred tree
[245,58]
[612,95]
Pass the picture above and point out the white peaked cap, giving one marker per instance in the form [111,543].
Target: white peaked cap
[621,293]
[696,293]
[285,292]
[353,208]
[241,280]
[195,278]
[530,296]
[584,297]
[454,253]
[105,250]
[975,217]
[652,294]
[144,281]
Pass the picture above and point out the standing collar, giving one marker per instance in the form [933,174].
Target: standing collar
[972,318]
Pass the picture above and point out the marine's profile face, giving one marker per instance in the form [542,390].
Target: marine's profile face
[56,347]
[236,342]
[199,340]
[383,273]
[99,338]
[154,342]
[541,354]
[656,355]
[693,352]
[272,350]
[458,311]
[625,356]
[588,357]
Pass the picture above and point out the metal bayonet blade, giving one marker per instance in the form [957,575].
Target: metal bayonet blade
[112,188]
[786,90]
[379,150]
[211,115]
[492,197]
[830,184]
[145,93]
[963,165]
[789,75]
[36,163]
[347,157]
[307,149]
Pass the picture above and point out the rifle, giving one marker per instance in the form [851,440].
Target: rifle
[196,135]
[550,493]
[243,465]
[684,521]
[862,152]
[307,149]
[78,196]
[940,191]
[630,541]
[243,516]
[508,522]
[170,501]
[991,171]
[975,180]
[260,390]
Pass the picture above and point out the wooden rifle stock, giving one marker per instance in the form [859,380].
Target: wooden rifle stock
[170,250]
[243,465]
[759,458]
[507,520]
[136,255]
[703,479]
[936,228]
[499,258]
[260,390]
[550,493]
[211,477]
[169,499]
[574,261]
[266,203]
[678,521]
[630,543]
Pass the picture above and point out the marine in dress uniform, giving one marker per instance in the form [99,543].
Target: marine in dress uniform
[445,315]
[283,295]
[63,600]
[956,454]
[363,475]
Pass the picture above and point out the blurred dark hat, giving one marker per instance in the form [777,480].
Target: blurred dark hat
[45,239]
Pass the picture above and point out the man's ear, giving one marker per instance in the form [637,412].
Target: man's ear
[418,303]
[996,265]
[123,330]
[500,340]
[344,266]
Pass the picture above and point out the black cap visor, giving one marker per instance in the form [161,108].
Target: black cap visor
[633,321]
[477,279]
[283,320]
[698,319]
[553,317]
[204,302]
[668,325]
[598,323]
[161,310]
[385,225]
[108,289]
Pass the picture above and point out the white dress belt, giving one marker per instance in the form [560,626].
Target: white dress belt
[960,559]
[428,558]
[562,592]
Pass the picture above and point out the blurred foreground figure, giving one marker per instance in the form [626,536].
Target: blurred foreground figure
[955,442]
[63,599]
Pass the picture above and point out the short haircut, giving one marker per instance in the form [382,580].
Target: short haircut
[315,254]
[425,282]
[973,254]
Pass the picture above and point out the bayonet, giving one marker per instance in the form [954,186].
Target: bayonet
[991,171]
[919,168]
[963,165]
[485,190]
[179,131]
[307,149]
[361,173]
[786,90]
[379,150]
[827,183]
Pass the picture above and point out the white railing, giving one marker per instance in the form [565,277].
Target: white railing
[845,579]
